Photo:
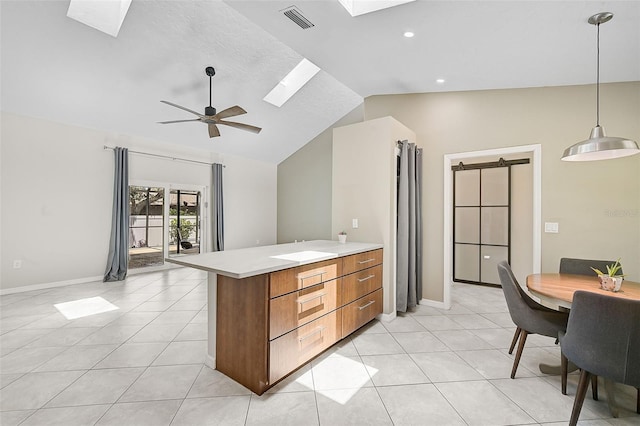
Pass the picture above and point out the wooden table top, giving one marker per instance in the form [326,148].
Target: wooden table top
[562,287]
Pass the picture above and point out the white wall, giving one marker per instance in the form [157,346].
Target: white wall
[364,188]
[57,192]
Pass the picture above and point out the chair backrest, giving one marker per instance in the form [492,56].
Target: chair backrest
[517,299]
[603,336]
[583,266]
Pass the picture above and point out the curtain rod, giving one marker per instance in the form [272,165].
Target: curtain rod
[165,156]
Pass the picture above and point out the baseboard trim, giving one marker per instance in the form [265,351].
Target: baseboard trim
[210,361]
[387,317]
[45,286]
[434,304]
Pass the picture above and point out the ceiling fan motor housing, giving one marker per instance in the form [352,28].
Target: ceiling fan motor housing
[209,110]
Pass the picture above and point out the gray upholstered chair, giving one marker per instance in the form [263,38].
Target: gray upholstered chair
[582,266]
[602,338]
[529,316]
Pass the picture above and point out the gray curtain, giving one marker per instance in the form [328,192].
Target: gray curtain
[217,208]
[409,232]
[118,260]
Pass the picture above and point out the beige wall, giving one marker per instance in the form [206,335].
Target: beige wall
[597,204]
[364,188]
[304,187]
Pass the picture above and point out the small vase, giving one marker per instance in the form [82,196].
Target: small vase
[342,238]
[610,283]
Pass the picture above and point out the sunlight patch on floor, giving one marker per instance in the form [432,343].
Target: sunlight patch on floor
[84,307]
[337,377]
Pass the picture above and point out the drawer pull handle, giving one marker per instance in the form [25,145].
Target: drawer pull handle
[313,333]
[311,276]
[320,296]
[365,261]
[371,302]
[366,278]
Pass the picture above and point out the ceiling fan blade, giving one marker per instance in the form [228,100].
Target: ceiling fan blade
[242,126]
[213,131]
[178,121]
[182,108]
[229,112]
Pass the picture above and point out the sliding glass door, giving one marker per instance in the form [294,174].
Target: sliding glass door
[165,221]
[146,226]
[184,222]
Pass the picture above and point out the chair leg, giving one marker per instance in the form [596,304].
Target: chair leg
[523,339]
[515,339]
[564,366]
[583,384]
[594,387]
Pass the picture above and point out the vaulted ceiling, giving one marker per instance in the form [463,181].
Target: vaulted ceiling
[58,69]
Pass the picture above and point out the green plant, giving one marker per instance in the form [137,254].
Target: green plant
[342,233]
[612,270]
[186,228]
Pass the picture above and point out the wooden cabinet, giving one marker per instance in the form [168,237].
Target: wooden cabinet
[290,351]
[293,279]
[270,324]
[361,311]
[300,307]
[360,261]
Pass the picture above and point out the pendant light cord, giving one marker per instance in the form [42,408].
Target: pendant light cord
[597,81]
[210,82]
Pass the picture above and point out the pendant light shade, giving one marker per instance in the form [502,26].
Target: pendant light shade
[599,146]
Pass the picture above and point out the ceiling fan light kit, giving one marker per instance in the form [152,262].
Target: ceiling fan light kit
[599,146]
[212,118]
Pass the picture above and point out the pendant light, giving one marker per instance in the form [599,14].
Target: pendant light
[599,146]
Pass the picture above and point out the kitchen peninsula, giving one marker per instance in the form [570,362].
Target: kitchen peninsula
[273,308]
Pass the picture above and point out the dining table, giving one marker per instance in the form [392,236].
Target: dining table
[556,291]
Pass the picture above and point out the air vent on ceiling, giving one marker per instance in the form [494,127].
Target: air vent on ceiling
[297,17]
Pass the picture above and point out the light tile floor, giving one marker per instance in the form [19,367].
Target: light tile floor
[143,365]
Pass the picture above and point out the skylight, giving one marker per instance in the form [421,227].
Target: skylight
[103,15]
[288,86]
[360,7]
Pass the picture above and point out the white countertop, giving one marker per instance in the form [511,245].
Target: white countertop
[247,262]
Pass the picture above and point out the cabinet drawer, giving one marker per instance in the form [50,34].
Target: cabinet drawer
[360,312]
[295,309]
[359,261]
[288,352]
[282,282]
[363,282]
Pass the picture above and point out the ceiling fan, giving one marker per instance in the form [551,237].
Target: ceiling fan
[210,117]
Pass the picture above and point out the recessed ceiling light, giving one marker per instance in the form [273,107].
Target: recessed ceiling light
[288,86]
[409,34]
[105,16]
[440,80]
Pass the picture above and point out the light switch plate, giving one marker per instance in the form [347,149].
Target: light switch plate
[551,227]
[354,223]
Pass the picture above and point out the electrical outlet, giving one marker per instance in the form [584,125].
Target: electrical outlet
[354,223]
[551,227]
[17,264]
